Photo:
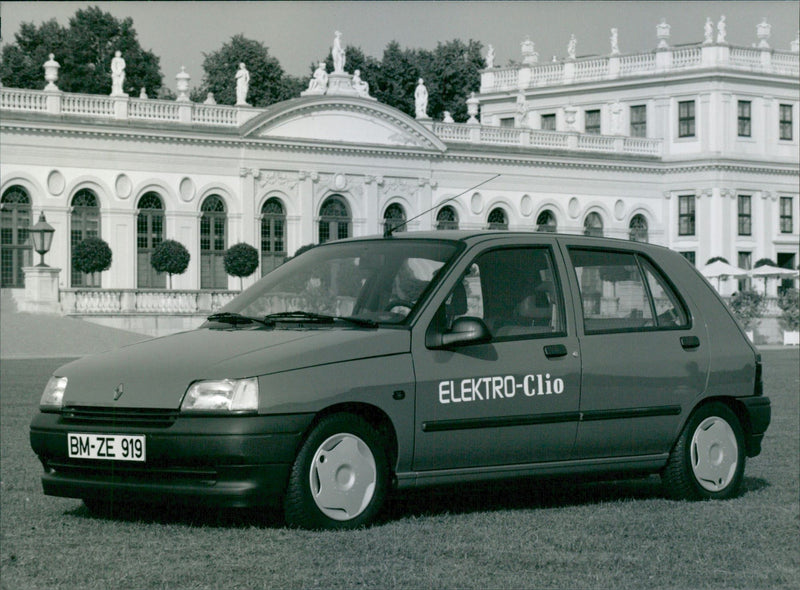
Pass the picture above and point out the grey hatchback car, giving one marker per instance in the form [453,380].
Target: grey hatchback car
[422,358]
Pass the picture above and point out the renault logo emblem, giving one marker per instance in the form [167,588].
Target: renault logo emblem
[118,391]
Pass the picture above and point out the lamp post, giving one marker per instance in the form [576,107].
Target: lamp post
[42,237]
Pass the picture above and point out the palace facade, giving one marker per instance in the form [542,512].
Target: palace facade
[694,148]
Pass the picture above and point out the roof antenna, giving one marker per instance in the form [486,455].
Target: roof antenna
[389,228]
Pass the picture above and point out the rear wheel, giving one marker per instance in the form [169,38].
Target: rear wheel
[708,459]
[340,476]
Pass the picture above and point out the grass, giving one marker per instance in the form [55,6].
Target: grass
[553,534]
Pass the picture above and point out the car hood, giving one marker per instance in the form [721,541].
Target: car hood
[156,373]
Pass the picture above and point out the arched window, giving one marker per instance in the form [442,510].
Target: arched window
[498,219]
[15,221]
[394,218]
[84,223]
[593,225]
[213,244]
[546,221]
[273,235]
[149,234]
[638,228]
[447,218]
[334,220]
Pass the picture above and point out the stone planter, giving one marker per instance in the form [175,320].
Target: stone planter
[791,338]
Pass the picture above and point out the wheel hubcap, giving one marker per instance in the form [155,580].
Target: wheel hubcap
[343,476]
[715,454]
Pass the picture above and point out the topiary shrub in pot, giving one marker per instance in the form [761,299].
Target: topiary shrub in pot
[747,306]
[91,255]
[789,302]
[241,260]
[170,257]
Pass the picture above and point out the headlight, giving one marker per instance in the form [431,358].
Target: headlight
[226,395]
[53,395]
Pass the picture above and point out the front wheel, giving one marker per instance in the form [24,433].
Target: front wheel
[340,476]
[708,459]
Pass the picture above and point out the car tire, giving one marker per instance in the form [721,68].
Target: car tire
[340,476]
[708,459]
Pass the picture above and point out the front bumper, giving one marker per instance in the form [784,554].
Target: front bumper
[232,461]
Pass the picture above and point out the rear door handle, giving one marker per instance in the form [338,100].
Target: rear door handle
[690,342]
[555,350]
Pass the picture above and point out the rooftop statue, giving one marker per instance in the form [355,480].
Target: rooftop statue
[319,81]
[338,54]
[447,117]
[614,41]
[763,30]
[722,30]
[572,46]
[662,32]
[421,100]
[242,85]
[51,67]
[143,93]
[708,32]
[360,86]
[117,75]
[490,57]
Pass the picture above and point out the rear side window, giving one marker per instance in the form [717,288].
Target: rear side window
[622,291]
[514,291]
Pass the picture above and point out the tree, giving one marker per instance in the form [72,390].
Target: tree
[764,262]
[789,303]
[717,259]
[170,257]
[451,74]
[91,255]
[241,260]
[220,69]
[398,78]
[84,49]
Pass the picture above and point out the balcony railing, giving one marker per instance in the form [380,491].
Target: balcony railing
[595,69]
[142,301]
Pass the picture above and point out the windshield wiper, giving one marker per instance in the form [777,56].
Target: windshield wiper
[318,317]
[236,319]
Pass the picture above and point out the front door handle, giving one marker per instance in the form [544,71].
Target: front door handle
[555,350]
[690,342]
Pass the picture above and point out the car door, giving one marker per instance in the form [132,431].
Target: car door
[514,398]
[644,358]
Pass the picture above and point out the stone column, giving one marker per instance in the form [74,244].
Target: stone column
[306,210]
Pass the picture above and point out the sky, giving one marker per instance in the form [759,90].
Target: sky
[301,33]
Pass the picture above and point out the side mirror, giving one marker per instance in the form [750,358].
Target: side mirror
[465,331]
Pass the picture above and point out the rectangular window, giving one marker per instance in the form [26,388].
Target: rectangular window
[507,122]
[744,118]
[686,118]
[689,255]
[686,215]
[786,121]
[549,122]
[745,260]
[745,215]
[621,291]
[593,122]
[639,121]
[787,223]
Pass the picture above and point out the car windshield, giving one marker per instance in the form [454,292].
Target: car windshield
[377,280]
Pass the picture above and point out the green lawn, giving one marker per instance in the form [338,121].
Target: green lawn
[557,534]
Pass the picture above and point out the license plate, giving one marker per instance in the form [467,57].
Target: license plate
[112,447]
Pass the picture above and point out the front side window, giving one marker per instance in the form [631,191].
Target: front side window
[622,291]
[639,121]
[514,292]
[744,118]
[686,215]
[593,122]
[745,215]
[786,121]
[787,223]
[686,118]
[377,280]
[549,122]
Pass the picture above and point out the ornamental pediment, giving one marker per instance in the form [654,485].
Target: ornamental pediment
[342,120]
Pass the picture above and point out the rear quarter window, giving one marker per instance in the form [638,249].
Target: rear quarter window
[624,291]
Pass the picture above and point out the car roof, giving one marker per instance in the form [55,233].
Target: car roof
[475,236]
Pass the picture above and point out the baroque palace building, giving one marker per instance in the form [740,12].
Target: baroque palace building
[692,147]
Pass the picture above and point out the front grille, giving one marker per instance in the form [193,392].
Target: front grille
[137,417]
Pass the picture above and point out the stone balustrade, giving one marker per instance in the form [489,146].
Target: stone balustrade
[536,138]
[673,59]
[142,301]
